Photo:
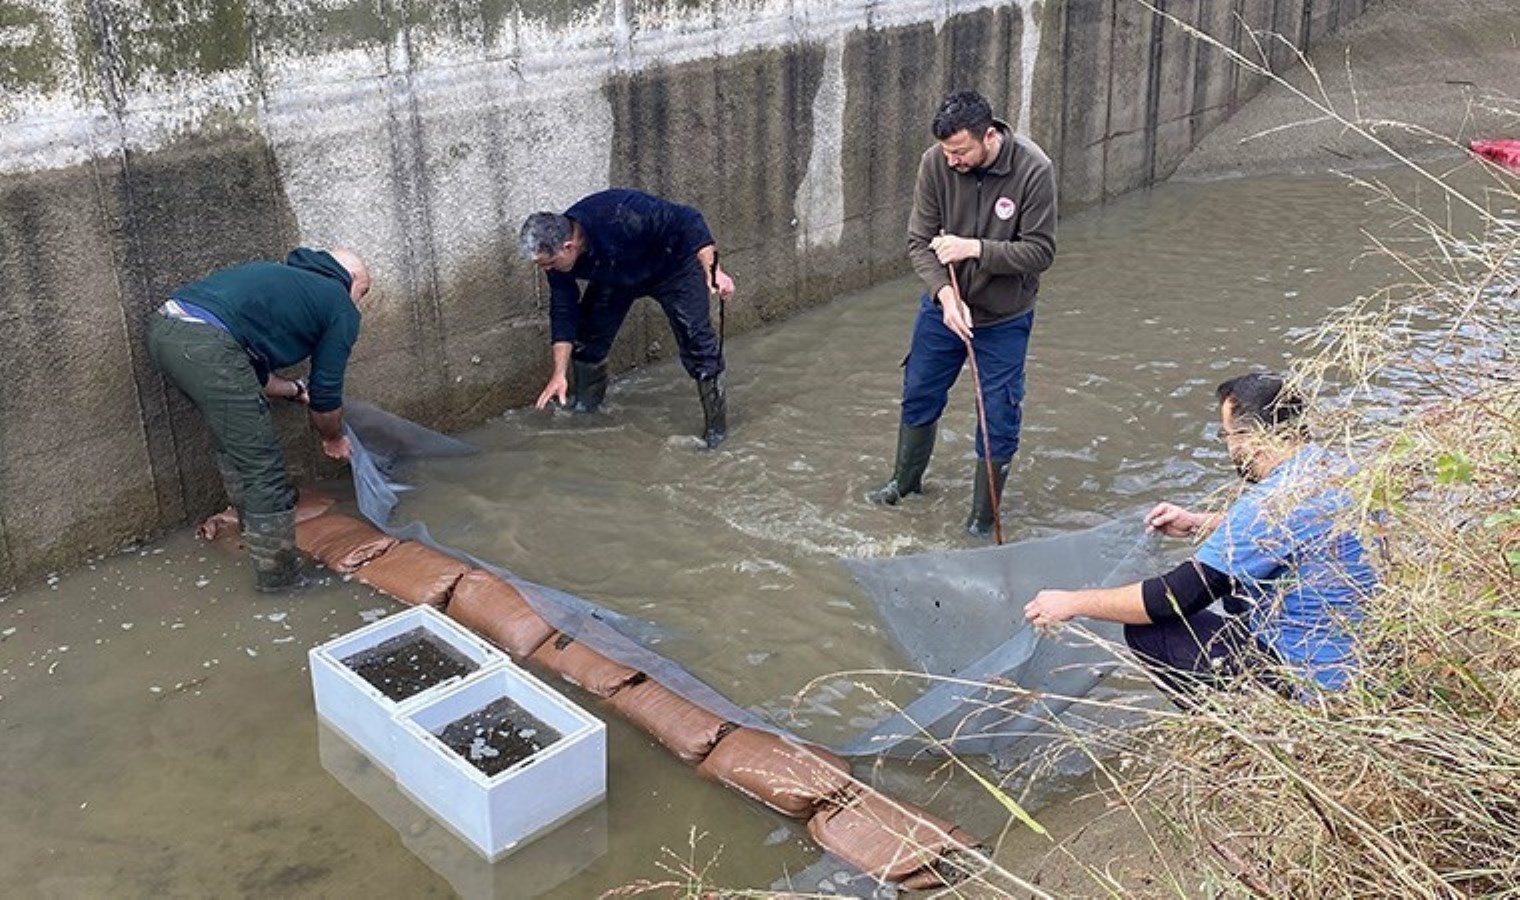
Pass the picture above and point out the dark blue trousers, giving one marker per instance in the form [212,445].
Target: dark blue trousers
[684,297]
[1205,649]
[935,361]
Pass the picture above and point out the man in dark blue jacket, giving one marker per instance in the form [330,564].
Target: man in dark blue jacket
[626,244]
[221,338]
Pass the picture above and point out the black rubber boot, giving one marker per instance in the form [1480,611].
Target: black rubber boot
[914,447]
[271,542]
[590,386]
[979,522]
[714,410]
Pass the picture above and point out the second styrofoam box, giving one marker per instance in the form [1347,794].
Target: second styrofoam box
[497,813]
[359,710]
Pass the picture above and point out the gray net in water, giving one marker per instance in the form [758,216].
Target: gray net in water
[382,443]
[960,616]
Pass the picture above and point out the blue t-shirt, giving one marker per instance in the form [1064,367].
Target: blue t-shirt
[1303,571]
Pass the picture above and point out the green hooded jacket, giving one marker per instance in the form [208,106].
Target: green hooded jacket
[282,314]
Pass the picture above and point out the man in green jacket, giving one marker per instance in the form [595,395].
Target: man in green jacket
[220,339]
[985,206]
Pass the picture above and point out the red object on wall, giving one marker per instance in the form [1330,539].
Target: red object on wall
[1505,153]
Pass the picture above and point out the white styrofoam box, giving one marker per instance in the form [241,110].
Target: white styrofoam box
[536,869]
[497,813]
[359,710]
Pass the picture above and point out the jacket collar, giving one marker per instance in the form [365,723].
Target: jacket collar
[1003,165]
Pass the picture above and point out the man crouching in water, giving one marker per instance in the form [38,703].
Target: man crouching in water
[1291,575]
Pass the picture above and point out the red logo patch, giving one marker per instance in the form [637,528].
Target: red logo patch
[1005,208]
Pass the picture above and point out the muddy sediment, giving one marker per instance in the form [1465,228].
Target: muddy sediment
[498,736]
[408,664]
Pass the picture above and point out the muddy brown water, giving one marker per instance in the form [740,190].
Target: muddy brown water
[156,714]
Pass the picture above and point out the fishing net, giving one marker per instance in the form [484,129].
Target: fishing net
[960,615]
[384,443]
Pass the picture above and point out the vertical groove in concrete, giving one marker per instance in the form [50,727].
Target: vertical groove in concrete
[1153,88]
[161,446]
[1108,106]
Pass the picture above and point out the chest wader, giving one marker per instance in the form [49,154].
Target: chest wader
[914,447]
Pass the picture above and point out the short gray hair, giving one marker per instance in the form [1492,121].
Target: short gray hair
[543,234]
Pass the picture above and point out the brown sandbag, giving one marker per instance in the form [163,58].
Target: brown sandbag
[581,666]
[414,574]
[684,728]
[342,543]
[309,505]
[791,778]
[496,611]
[893,841]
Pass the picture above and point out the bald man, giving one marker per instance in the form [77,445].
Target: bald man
[220,340]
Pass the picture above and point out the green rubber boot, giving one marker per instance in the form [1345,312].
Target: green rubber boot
[983,496]
[714,410]
[271,542]
[590,386]
[914,447]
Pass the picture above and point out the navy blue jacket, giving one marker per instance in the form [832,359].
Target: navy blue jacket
[634,241]
[282,314]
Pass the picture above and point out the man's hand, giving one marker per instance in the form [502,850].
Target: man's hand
[558,388]
[337,448]
[724,284]
[951,249]
[956,315]
[1174,521]
[1051,608]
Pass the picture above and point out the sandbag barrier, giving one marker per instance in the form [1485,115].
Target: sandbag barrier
[889,840]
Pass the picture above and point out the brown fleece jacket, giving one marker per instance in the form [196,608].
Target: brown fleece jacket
[1010,206]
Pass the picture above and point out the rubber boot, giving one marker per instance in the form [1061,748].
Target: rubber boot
[979,522]
[271,542]
[914,447]
[590,386]
[714,410]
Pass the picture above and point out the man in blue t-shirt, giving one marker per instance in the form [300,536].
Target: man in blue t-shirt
[625,245]
[220,340]
[1291,576]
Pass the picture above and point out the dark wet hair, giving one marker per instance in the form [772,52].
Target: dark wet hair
[962,111]
[1261,399]
[543,233]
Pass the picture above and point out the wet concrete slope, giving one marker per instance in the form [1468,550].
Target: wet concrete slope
[1425,76]
[144,143]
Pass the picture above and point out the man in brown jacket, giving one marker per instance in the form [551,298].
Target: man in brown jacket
[985,204]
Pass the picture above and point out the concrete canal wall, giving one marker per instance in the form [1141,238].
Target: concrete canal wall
[146,142]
